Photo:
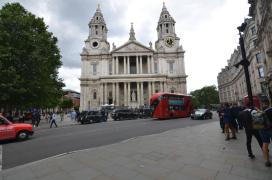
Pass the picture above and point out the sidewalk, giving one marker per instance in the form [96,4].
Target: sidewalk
[66,122]
[191,153]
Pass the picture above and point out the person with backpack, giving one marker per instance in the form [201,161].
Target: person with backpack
[246,119]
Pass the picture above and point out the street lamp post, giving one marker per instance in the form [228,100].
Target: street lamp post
[245,63]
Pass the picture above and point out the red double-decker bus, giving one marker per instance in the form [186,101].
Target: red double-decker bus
[258,101]
[170,105]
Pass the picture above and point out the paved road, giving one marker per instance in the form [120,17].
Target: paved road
[49,142]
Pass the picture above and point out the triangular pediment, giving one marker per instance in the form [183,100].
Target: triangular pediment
[132,46]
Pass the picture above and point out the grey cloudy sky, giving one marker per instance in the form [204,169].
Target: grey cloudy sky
[207,29]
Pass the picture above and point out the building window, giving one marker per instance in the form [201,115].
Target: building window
[156,67]
[171,67]
[94,69]
[167,31]
[89,105]
[253,30]
[261,72]
[258,57]
[94,95]
[172,91]
[254,43]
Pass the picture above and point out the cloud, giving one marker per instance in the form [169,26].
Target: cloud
[207,29]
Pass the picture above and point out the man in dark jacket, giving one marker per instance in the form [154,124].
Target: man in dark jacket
[246,119]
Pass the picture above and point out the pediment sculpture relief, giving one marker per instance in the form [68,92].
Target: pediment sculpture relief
[133,48]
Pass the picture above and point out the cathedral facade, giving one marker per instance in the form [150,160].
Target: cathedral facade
[128,75]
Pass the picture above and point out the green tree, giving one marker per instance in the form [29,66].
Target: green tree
[205,96]
[66,104]
[195,102]
[29,60]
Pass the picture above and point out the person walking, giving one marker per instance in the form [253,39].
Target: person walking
[53,120]
[246,119]
[266,135]
[220,112]
[36,117]
[227,118]
[235,113]
[73,114]
[61,116]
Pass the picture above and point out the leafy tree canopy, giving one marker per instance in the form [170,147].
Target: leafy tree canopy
[66,103]
[29,60]
[205,96]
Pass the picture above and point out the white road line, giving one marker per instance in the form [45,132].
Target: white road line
[1,157]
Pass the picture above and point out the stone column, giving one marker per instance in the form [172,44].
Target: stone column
[113,65]
[101,94]
[142,93]
[125,94]
[153,87]
[113,94]
[148,64]
[117,94]
[128,65]
[152,64]
[106,94]
[137,65]
[161,88]
[149,92]
[128,94]
[138,94]
[164,87]
[141,65]
[117,64]
[125,65]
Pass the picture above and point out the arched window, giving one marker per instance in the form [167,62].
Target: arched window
[94,95]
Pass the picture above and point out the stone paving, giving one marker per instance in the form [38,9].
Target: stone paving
[191,153]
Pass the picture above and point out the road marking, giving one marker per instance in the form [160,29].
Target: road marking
[0,157]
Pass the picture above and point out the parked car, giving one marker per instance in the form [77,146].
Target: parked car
[93,117]
[201,114]
[122,114]
[145,112]
[81,115]
[19,131]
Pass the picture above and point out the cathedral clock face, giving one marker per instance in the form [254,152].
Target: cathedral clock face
[169,41]
[95,44]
